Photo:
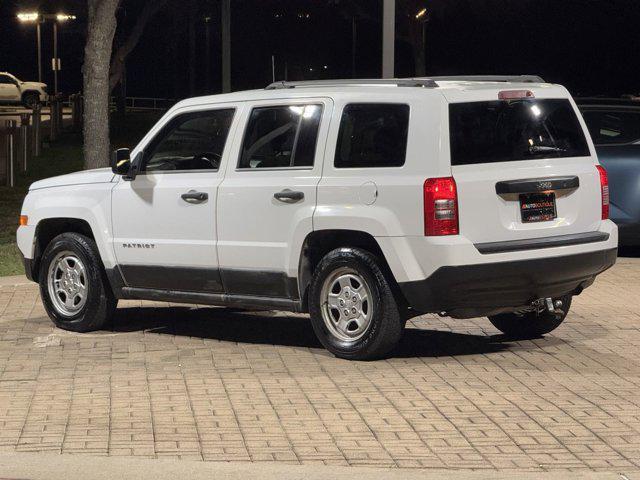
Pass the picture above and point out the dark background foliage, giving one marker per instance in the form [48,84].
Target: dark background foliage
[591,46]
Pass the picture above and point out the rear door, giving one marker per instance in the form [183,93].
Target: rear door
[523,166]
[267,199]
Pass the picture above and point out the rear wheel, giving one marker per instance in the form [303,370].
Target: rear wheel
[30,100]
[353,310]
[533,324]
[73,285]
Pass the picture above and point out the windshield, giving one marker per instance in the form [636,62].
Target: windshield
[503,131]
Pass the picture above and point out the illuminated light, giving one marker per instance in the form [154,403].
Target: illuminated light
[531,142]
[297,110]
[28,16]
[63,17]
[24,220]
[536,110]
[421,14]
[309,111]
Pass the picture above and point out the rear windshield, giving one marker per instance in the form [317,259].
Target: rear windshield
[504,131]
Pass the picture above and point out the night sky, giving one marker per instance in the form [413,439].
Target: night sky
[590,46]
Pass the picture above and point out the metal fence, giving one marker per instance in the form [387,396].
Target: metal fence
[145,103]
[4,164]
[21,135]
[22,131]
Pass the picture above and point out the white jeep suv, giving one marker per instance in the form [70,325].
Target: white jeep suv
[14,91]
[362,203]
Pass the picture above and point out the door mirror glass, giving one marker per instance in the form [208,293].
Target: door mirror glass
[121,161]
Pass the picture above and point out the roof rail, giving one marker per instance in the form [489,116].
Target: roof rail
[398,82]
[491,78]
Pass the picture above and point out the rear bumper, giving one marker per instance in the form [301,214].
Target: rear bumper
[466,291]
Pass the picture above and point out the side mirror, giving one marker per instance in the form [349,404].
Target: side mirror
[121,161]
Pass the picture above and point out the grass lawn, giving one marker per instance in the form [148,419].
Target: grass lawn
[64,156]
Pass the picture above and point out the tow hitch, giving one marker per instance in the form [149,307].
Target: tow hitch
[552,306]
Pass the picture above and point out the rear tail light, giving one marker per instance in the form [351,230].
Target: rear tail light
[440,207]
[515,94]
[604,190]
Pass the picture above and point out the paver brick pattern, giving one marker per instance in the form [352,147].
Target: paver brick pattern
[224,385]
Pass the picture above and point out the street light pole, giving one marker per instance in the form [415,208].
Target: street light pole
[39,50]
[388,38]
[39,19]
[55,58]
[354,43]
[226,45]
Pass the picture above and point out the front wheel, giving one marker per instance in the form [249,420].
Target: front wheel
[353,311]
[73,285]
[532,324]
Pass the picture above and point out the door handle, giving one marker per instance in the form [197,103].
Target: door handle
[287,195]
[195,197]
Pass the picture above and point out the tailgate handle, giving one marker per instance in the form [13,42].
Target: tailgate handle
[532,185]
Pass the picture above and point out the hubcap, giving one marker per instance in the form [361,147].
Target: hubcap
[67,284]
[346,304]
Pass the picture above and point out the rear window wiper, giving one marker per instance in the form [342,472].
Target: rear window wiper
[545,149]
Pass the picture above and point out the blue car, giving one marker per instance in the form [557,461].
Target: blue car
[614,125]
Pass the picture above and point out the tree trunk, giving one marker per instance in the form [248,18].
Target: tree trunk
[101,27]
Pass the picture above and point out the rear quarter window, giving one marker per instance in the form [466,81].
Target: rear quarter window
[372,135]
[503,131]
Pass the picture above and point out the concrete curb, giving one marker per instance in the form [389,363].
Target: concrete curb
[44,466]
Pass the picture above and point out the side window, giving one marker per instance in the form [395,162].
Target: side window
[5,80]
[611,127]
[281,137]
[372,135]
[192,141]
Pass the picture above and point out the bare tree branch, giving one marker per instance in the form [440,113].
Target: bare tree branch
[117,62]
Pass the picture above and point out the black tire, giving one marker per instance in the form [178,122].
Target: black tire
[532,324]
[30,99]
[385,324]
[100,303]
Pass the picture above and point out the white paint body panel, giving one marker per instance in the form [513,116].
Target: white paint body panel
[243,227]
[85,177]
[88,202]
[12,92]
[149,211]
[256,231]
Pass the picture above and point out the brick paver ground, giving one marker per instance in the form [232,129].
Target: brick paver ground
[223,385]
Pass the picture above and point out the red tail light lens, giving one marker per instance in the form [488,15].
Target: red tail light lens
[604,189]
[440,207]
